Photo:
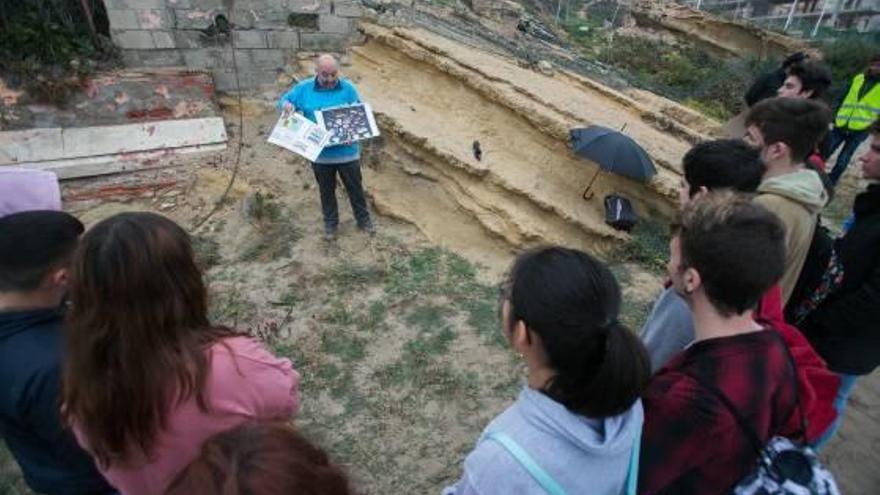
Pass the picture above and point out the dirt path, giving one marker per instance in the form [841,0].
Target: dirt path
[854,454]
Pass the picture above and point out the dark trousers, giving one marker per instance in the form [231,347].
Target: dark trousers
[850,141]
[350,173]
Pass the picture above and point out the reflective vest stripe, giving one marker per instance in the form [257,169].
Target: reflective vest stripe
[861,107]
[862,119]
[858,114]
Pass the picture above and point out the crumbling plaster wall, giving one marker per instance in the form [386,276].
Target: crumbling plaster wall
[267,34]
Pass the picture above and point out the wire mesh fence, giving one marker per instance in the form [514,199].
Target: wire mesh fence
[809,19]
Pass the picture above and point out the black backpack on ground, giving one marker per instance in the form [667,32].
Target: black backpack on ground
[619,213]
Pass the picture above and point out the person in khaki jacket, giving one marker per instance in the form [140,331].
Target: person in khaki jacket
[786,130]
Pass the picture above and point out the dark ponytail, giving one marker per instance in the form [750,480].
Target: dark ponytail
[572,301]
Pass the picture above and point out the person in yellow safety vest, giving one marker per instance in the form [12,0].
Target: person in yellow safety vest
[859,108]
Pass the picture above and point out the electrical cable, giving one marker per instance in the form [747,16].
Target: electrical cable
[219,203]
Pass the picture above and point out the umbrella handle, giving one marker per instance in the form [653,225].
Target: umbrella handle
[588,195]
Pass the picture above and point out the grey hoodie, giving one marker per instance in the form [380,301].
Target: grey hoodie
[583,455]
[796,198]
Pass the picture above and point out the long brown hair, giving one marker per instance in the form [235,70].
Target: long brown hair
[137,333]
[261,459]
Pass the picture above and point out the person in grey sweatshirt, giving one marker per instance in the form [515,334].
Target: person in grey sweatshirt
[576,426]
[729,164]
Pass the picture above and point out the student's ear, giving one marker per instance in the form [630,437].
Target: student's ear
[778,150]
[519,337]
[59,277]
[808,93]
[691,280]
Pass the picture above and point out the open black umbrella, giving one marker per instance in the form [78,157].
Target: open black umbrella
[613,151]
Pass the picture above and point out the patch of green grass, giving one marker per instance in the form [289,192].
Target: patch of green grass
[417,363]
[327,373]
[375,315]
[588,32]
[460,269]
[416,274]
[683,71]
[232,307]
[438,272]
[276,231]
[348,276]
[712,108]
[433,299]
[648,246]
[433,379]
[304,362]
[339,381]
[206,251]
[264,208]
[273,243]
[268,331]
[339,314]
[291,296]
[484,316]
[349,348]
[446,381]
[427,348]
[428,317]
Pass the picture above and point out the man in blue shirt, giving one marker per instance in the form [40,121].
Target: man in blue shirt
[327,90]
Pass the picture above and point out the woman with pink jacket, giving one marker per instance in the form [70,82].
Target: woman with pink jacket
[147,378]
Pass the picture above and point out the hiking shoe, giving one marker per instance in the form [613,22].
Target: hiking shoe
[369,228]
[330,235]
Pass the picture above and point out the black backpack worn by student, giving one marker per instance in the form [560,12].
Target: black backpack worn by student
[821,274]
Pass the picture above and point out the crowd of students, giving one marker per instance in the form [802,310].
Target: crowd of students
[115,380]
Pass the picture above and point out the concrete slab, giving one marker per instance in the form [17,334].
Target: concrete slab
[117,163]
[90,141]
[83,151]
[30,145]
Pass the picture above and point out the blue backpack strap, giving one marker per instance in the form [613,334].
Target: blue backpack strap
[542,477]
[632,475]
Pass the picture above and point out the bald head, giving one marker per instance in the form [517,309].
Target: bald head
[326,70]
[326,62]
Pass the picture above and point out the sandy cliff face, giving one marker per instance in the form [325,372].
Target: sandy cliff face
[434,97]
[722,36]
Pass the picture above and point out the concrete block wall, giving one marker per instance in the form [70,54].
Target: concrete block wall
[267,34]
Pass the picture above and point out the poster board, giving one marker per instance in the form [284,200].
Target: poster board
[300,135]
[348,123]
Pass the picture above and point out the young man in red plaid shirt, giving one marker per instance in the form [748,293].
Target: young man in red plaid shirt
[727,252]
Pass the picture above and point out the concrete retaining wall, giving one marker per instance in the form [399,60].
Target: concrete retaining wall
[267,34]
